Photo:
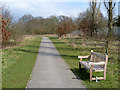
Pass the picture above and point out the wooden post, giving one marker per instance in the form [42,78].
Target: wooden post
[91,72]
[91,58]
[105,67]
[104,74]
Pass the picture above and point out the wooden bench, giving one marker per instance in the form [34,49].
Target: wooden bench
[97,63]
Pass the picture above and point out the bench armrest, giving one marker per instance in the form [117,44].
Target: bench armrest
[96,63]
[83,56]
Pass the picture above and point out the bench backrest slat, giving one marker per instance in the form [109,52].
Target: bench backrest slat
[97,54]
[96,57]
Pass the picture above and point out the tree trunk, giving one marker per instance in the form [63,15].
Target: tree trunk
[110,22]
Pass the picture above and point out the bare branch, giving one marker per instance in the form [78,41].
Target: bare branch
[114,5]
[99,5]
[95,3]
[106,5]
[90,3]
[98,9]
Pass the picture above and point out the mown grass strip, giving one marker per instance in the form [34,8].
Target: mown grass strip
[18,64]
[70,54]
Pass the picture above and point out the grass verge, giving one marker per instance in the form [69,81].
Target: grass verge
[18,62]
[70,53]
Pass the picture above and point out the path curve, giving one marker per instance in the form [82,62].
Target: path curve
[50,70]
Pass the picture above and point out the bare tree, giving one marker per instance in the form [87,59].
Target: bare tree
[95,15]
[109,5]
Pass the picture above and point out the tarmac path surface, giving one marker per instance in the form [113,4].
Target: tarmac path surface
[50,70]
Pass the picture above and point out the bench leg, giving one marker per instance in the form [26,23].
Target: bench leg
[104,74]
[79,66]
[91,73]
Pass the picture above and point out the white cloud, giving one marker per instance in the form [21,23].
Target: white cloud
[52,0]
[46,9]
[19,5]
[45,0]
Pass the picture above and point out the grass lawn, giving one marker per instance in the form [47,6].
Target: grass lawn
[18,62]
[69,49]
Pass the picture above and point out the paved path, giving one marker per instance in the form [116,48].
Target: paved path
[50,70]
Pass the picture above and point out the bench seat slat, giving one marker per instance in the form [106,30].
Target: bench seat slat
[96,68]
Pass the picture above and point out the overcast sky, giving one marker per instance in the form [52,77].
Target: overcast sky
[47,8]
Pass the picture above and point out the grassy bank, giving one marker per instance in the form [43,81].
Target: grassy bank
[70,48]
[18,62]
